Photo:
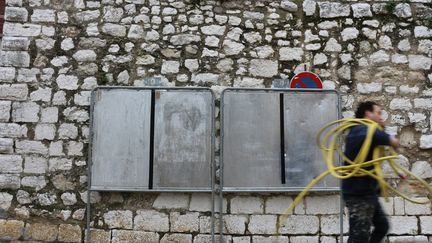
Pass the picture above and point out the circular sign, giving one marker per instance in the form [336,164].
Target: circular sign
[306,80]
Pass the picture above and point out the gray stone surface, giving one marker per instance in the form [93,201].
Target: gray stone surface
[150,220]
[333,9]
[263,68]
[290,54]
[119,219]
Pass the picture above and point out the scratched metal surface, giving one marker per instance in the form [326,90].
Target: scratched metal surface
[121,138]
[251,140]
[305,114]
[183,132]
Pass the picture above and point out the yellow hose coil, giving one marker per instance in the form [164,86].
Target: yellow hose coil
[328,140]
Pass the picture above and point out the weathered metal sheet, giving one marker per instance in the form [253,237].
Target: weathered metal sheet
[253,146]
[305,113]
[251,140]
[121,138]
[183,139]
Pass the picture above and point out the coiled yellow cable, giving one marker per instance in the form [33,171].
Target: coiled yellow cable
[329,138]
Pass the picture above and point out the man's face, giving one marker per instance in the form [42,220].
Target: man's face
[375,115]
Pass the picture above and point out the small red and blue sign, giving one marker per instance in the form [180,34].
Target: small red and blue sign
[306,80]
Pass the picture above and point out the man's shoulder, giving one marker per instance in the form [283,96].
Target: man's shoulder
[358,129]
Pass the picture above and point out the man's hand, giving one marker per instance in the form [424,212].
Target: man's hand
[394,142]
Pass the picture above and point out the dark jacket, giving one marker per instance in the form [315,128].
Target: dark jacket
[365,185]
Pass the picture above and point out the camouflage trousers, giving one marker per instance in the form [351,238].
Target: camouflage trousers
[365,212]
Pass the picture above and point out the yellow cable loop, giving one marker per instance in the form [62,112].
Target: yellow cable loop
[329,143]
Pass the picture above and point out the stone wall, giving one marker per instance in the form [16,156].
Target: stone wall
[54,52]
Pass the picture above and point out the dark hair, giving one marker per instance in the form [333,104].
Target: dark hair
[363,107]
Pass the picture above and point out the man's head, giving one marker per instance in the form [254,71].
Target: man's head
[370,110]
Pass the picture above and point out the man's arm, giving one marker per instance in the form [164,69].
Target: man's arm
[394,142]
[383,138]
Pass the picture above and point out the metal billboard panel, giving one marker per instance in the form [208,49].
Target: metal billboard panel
[120,139]
[183,139]
[251,140]
[305,113]
[269,138]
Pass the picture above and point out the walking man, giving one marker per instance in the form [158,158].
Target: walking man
[361,193]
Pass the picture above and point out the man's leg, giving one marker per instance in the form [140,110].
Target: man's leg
[361,211]
[380,223]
